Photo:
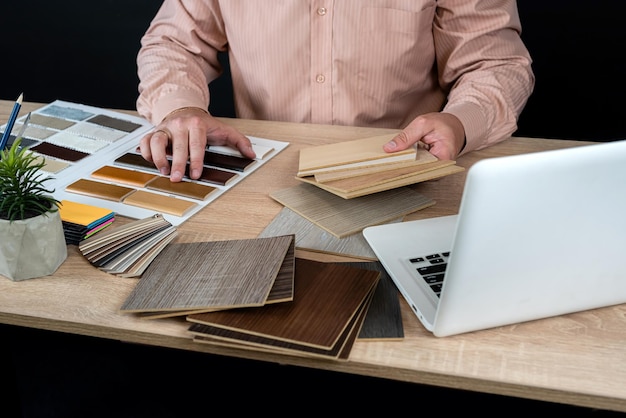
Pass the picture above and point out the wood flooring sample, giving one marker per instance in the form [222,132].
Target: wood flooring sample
[327,297]
[342,217]
[210,275]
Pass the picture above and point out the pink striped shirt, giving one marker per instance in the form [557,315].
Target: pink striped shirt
[377,63]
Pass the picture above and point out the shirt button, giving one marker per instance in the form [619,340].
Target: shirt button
[320,78]
[321,11]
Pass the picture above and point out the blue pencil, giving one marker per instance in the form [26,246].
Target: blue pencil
[7,130]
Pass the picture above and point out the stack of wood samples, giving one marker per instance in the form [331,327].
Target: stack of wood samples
[216,275]
[360,167]
[324,319]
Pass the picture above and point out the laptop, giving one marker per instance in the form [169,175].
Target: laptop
[537,235]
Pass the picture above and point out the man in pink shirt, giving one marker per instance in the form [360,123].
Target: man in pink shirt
[453,74]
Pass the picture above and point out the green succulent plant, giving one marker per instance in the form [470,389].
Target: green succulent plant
[22,191]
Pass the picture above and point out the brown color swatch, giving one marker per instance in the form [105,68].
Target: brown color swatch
[230,162]
[210,275]
[209,175]
[114,123]
[121,175]
[183,188]
[327,299]
[56,151]
[50,121]
[343,217]
[99,190]
[159,203]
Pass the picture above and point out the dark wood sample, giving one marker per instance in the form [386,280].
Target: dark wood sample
[384,316]
[230,162]
[210,275]
[339,351]
[327,296]
[56,151]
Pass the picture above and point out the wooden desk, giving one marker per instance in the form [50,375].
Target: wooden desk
[577,359]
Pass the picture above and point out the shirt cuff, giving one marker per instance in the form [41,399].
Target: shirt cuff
[176,100]
[474,122]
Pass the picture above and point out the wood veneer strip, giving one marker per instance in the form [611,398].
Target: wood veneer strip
[98,189]
[159,203]
[183,188]
[121,175]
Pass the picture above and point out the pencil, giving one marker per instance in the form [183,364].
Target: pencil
[7,130]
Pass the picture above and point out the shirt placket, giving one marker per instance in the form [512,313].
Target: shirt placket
[321,61]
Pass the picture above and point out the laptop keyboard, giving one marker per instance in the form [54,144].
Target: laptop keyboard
[431,269]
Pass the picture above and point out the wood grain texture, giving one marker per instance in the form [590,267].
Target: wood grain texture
[357,188]
[210,275]
[355,153]
[106,191]
[384,317]
[310,236]
[226,337]
[159,203]
[122,175]
[327,296]
[343,217]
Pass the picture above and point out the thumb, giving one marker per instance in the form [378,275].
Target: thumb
[398,143]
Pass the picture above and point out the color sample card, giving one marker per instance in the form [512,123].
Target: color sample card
[90,157]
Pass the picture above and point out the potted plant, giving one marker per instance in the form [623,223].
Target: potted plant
[32,240]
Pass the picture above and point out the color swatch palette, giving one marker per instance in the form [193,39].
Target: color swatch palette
[90,156]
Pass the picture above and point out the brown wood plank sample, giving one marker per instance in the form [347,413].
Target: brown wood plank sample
[99,189]
[182,188]
[327,296]
[122,175]
[226,337]
[159,202]
[343,217]
[211,275]
[209,175]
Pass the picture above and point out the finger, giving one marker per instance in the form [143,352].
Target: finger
[400,142]
[180,154]
[154,148]
[197,148]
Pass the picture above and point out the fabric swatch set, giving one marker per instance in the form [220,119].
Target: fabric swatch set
[91,158]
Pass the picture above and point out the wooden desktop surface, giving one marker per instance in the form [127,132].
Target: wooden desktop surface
[577,359]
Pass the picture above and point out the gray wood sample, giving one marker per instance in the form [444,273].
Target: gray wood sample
[343,217]
[309,236]
[212,275]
